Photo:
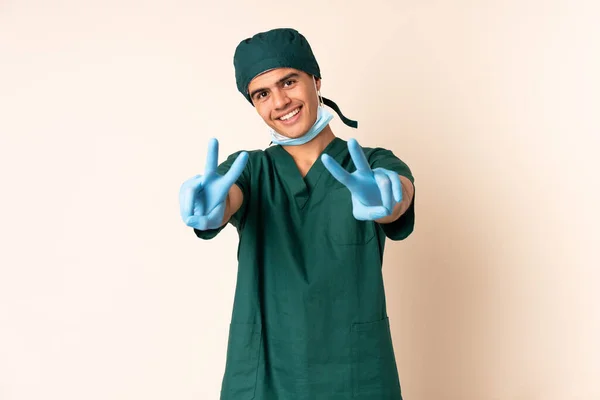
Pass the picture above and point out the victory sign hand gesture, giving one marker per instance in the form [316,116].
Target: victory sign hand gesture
[374,192]
[202,198]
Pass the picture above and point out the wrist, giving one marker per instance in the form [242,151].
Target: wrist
[396,213]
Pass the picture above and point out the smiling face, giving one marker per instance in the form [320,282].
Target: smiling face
[286,100]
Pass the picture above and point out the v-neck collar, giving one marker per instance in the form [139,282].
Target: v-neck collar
[300,187]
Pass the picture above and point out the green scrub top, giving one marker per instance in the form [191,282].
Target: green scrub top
[309,319]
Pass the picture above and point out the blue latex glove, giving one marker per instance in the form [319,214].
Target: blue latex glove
[202,198]
[374,192]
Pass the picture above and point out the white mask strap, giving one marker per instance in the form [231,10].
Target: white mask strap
[319,97]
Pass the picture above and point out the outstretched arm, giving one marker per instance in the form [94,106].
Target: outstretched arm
[377,194]
[234,201]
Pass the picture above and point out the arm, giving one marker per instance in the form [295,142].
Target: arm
[381,189]
[234,201]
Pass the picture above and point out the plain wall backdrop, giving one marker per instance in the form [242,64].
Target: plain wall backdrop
[106,107]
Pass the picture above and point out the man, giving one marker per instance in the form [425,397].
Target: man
[312,212]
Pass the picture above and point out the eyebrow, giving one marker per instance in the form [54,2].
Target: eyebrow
[285,78]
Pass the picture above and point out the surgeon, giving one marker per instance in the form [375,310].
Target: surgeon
[313,212]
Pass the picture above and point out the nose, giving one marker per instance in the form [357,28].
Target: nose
[280,99]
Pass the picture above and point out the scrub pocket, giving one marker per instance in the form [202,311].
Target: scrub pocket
[343,228]
[374,370]
[243,353]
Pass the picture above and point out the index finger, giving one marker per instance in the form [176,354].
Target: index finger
[212,157]
[236,169]
[360,161]
[336,170]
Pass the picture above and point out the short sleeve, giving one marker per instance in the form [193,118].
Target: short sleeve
[243,182]
[403,226]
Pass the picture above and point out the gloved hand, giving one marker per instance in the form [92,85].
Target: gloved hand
[374,192]
[202,198]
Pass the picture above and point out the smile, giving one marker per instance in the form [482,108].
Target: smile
[290,114]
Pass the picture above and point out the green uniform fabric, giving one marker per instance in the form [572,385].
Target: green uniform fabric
[309,320]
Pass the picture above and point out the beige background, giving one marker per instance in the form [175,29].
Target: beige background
[107,106]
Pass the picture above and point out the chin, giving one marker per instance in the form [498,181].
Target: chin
[298,130]
[295,134]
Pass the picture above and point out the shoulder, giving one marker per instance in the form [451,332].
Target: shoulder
[267,155]
[380,157]
[253,155]
[374,154]
[256,159]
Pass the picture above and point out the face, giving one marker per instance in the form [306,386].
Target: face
[286,100]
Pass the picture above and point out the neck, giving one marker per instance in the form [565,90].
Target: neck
[306,154]
[310,151]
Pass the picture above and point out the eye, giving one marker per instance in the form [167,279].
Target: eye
[261,95]
[289,82]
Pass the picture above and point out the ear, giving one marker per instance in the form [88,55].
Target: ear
[318,81]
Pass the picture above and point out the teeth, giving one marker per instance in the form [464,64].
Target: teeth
[290,115]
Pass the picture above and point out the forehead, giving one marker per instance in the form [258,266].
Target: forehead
[271,77]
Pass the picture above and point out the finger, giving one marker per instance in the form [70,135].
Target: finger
[385,189]
[199,201]
[358,156]
[235,170]
[193,181]
[186,205]
[396,183]
[212,157]
[186,196]
[199,222]
[377,212]
[216,215]
[336,170]
[211,221]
